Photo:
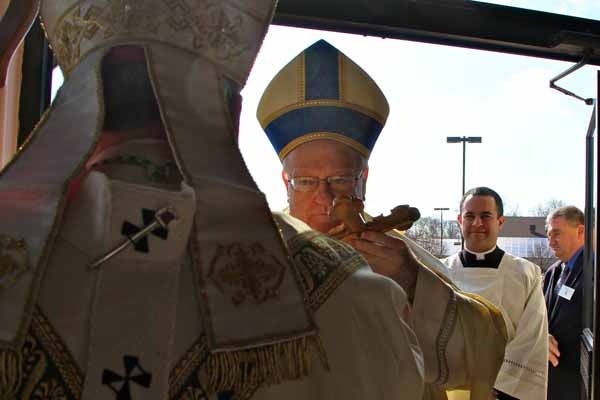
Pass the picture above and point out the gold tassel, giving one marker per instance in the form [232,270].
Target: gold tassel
[238,371]
[11,374]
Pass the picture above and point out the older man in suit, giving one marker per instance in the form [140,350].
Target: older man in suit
[563,291]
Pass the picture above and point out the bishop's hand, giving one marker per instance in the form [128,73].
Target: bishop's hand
[388,256]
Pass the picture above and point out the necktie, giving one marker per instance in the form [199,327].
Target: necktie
[564,273]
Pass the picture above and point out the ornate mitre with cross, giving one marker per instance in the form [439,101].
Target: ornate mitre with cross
[224,243]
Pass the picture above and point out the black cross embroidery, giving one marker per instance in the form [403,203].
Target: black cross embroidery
[133,373]
[128,229]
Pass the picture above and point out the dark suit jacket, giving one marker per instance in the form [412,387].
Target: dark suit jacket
[565,324]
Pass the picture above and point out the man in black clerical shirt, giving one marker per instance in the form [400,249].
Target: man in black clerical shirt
[511,283]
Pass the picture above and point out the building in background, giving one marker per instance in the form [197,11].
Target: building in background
[521,236]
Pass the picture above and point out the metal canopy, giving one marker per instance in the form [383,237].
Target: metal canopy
[461,23]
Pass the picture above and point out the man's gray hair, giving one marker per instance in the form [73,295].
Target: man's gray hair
[572,214]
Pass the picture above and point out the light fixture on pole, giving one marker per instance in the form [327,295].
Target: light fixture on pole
[441,210]
[464,140]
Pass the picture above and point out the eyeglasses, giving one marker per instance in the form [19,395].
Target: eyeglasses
[337,183]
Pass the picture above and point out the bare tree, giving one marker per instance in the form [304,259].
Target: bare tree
[512,210]
[542,255]
[423,232]
[451,229]
[426,232]
[543,209]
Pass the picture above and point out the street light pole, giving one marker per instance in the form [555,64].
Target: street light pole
[464,140]
[441,210]
[464,143]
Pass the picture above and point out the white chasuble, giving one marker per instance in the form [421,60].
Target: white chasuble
[131,328]
[119,317]
[516,288]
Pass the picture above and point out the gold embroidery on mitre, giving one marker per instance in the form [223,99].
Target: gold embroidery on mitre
[243,271]
[13,260]
[210,28]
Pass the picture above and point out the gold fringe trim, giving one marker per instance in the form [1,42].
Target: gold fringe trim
[236,371]
[11,374]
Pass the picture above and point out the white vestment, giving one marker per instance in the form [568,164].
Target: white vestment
[516,288]
[142,308]
[221,304]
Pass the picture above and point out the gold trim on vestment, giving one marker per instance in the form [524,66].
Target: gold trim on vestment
[42,363]
[13,260]
[243,372]
[443,337]
[239,371]
[322,264]
[58,352]
[11,373]
[185,367]
[238,345]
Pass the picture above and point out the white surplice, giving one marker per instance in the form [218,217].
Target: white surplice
[516,288]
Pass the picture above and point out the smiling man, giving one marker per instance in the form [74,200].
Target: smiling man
[513,284]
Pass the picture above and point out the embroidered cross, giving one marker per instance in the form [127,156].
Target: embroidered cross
[133,373]
[245,271]
[128,229]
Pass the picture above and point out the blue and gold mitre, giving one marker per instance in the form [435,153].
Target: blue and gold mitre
[322,94]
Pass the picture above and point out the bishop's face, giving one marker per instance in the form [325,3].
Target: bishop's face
[322,159]
[480,223]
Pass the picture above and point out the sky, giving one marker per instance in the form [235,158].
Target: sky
[533,137]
